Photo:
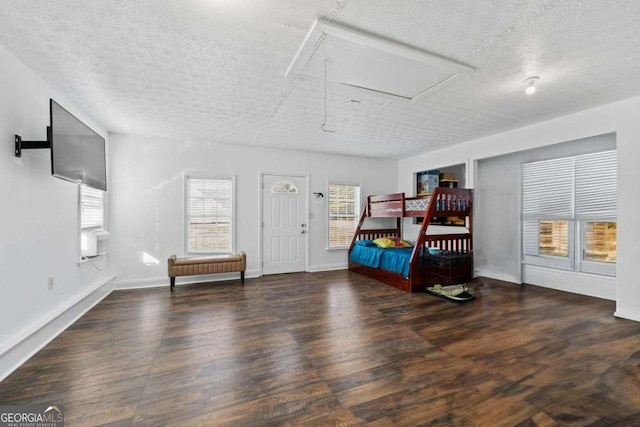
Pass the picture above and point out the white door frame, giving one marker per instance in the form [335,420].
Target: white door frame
[306,215]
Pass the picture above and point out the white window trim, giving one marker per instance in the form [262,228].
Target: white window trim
[328,219]
[592,267]
[575,261]
[561,263]
[185,210]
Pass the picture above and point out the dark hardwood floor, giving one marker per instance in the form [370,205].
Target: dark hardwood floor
[337,348]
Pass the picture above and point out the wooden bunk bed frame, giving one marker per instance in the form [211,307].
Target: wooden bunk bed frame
[443,202]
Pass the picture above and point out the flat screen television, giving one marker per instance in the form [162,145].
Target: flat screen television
[77,152]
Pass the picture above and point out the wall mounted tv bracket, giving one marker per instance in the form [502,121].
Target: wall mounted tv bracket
[28,145]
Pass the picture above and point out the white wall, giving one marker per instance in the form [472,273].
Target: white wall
[38,224]
[147,200]
[621,118]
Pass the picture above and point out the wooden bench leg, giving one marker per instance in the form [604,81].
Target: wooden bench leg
[242,277]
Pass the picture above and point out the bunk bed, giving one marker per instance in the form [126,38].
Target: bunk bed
[413,268]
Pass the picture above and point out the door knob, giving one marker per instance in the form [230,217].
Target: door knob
[303,232]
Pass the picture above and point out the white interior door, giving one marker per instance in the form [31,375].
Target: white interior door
[284,224]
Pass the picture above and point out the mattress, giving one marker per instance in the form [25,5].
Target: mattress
[391,259]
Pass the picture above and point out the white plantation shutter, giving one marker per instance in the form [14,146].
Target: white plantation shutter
[531,234]
[596,185]
[547,189]
[91,208]
[209,215]
[570,188]
[344,208]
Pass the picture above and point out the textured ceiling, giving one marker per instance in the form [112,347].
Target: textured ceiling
[213,70]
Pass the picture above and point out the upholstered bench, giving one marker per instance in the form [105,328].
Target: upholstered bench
[206,265]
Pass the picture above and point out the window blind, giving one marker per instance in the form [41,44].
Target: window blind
[580,187]
[344,206]
[596,178]
[547,189]
[91,208]
[209,215]
[531,233]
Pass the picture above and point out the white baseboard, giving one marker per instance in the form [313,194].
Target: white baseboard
[160,282]
[627,313]
[497,275]
[151,282]
[29,342]
[570,281]
[328,267]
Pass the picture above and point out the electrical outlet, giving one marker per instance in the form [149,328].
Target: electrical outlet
[51,283]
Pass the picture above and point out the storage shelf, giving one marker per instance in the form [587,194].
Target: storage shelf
[450,269]
[442,214]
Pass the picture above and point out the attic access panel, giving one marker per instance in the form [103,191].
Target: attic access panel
[368,62]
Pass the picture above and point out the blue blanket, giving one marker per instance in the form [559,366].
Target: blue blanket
[392,259]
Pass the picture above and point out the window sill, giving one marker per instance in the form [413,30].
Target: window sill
[206,254]
[586,267]
[89,260]
[345,248]
[100,234]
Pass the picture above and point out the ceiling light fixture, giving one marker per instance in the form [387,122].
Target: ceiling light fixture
[531,88]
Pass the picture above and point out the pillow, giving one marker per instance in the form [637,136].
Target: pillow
[391,242]
[402,243]
[384,242]
[365,243]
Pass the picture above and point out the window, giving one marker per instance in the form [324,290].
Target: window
[600,241]
[284,187]
[554,238]
[569,212]
[209,216]
[344,209]
[91,208]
